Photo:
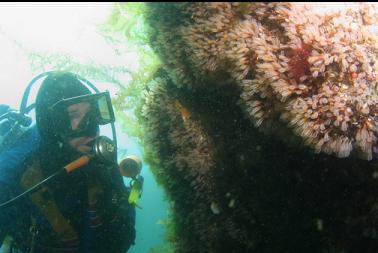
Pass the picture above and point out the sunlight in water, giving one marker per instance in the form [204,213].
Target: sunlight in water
[57,28]
[63,27]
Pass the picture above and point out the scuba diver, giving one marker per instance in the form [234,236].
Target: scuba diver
[85,207]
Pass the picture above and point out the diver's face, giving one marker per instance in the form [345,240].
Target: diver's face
[77,113]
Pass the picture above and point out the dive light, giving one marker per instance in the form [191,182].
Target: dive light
[130,166]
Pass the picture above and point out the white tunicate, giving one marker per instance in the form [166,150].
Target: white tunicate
[232,203]
[214,208]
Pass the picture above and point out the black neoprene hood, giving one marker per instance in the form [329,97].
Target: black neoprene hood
[55,87]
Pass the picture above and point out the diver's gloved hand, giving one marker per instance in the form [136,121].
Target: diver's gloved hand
[136,190]
[122,227]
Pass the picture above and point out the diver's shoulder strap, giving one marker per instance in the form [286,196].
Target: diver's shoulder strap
[44,200]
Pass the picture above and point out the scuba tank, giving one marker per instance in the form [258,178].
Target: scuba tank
[17,141]
[13,125]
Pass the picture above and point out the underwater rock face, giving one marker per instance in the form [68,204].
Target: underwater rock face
[235,189]
[311,65]
[245,82]
[186,155]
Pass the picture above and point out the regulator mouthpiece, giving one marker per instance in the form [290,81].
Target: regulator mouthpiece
[104,149]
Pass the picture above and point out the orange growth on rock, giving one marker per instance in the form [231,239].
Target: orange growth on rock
[185,113]
[299,65]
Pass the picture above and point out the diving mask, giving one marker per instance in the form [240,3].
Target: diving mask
[82,115]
